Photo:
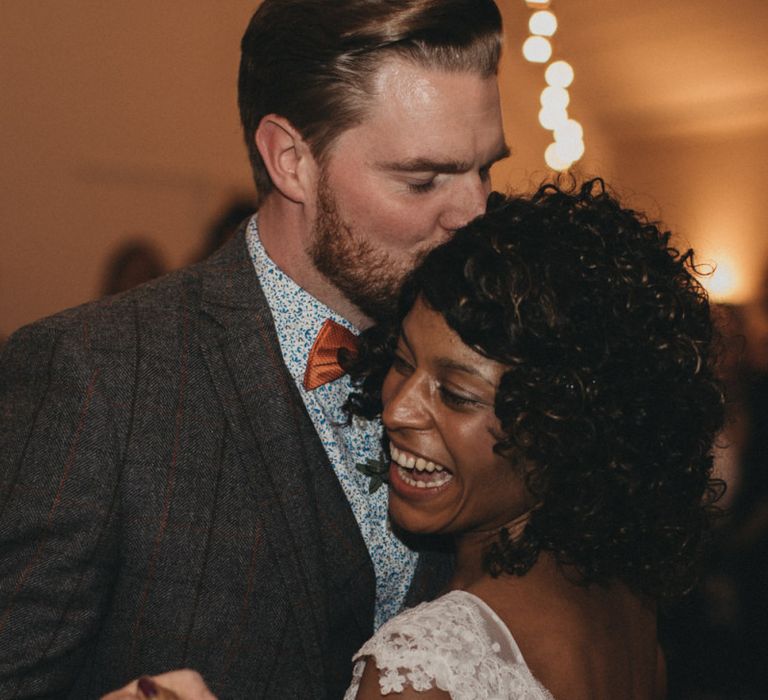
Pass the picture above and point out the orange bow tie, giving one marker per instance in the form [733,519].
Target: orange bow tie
[323,363]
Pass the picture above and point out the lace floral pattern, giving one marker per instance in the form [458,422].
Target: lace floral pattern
[455,643]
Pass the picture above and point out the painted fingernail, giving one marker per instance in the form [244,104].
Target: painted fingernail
[147,687]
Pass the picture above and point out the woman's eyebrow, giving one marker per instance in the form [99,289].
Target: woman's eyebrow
[404,337]
[448,363]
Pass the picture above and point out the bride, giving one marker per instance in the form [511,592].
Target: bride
[549,402]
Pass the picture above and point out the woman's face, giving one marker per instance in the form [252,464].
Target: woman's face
[439,416]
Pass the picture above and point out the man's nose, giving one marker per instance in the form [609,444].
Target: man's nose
[468,203]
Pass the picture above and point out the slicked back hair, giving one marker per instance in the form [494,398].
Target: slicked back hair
[313,61]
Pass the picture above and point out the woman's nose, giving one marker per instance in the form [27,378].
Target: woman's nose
[405,402]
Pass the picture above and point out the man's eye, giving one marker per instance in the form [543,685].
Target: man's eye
[421,187]
[452,399]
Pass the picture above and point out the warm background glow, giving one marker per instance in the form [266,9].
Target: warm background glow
[723,283]
[120,119]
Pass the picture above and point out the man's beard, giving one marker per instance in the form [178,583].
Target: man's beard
[369,278]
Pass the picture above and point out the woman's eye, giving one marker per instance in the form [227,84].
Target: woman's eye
[421,187]
[401,365]
[452,399]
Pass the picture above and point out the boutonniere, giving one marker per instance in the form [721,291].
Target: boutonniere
[376,469]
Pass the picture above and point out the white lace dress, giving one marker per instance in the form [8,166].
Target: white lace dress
[456,643]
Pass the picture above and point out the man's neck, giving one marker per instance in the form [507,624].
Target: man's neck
[286,234]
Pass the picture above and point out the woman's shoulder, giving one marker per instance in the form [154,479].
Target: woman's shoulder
[455,643]
[580,641]
[458,616]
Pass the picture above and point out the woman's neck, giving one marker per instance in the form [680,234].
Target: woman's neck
[471,548]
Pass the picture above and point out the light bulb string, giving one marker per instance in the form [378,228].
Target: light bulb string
[568,144]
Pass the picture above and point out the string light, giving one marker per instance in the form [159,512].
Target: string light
[570,150]
[537,49]
[568,130]
[555,98]
[553,159]
[568,145]
[551,119]
[542,23]
[559,74]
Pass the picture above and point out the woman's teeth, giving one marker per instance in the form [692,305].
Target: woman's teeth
[407,461]
[419,472]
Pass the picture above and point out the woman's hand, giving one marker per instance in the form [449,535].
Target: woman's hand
[174,685]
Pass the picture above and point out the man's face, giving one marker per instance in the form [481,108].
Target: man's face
[396,185]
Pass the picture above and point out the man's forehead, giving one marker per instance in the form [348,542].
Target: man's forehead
[401,81]
[420,118]
[404,79]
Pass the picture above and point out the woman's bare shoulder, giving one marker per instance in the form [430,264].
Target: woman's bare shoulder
[580,642]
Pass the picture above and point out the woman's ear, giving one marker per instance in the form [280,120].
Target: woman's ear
[287,157]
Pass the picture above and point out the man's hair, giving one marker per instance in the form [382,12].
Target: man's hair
[610,404]
[313,61]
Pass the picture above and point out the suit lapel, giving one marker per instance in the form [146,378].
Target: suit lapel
[300,501]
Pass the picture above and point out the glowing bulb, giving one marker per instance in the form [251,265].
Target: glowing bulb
[552,118]
[559,74]
[555,98]
[553,159]
[569,151]
[543,23]
[568,130]
[723,281]
[537,49]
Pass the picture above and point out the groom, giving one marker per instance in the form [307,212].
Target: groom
[176,489]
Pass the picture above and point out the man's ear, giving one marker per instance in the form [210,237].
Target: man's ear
[287,157]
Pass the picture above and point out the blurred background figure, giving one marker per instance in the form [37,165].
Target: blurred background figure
[133,263]
[224,225]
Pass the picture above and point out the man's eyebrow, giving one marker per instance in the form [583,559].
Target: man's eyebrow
[428,165]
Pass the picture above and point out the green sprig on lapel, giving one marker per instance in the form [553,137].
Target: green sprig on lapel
[376,470]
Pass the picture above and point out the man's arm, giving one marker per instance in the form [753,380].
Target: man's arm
[58,494]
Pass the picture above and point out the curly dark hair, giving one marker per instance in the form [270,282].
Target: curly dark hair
[611,392]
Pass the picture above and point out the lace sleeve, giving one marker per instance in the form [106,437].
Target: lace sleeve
[447,644]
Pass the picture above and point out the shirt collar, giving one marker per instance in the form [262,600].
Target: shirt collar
[298,316]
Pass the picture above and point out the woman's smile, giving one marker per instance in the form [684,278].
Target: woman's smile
[445,474]
[416,472]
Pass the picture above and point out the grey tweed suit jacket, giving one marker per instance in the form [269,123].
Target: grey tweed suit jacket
[165,502]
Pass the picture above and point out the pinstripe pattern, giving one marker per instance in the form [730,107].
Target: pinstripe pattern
[165,502]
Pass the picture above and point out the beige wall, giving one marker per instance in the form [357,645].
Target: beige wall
[710,190]
[119,119]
